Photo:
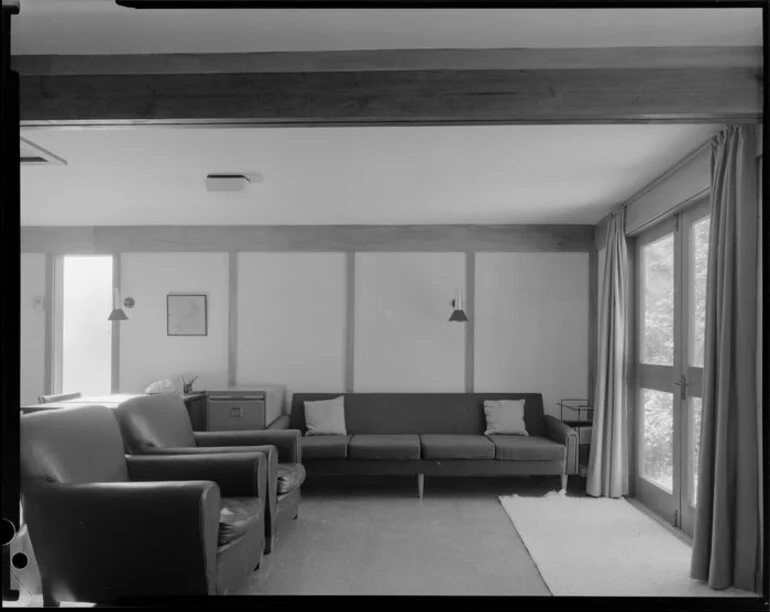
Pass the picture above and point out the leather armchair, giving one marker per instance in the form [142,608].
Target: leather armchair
[160,424]
[105,526]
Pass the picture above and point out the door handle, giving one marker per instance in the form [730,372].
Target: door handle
[682,384]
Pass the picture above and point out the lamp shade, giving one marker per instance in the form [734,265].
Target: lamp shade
[117,315]
[458,314]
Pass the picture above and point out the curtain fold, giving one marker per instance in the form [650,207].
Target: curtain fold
[608,459]
[726,550]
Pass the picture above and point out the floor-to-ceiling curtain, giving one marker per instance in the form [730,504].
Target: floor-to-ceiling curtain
[726,549]
[608,462]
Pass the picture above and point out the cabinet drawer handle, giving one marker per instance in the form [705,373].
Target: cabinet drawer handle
[236,412]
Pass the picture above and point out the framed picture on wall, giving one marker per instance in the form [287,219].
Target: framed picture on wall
[186,314]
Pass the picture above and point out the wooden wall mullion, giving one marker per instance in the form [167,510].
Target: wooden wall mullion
[232,321]
[115,343]
[470,328]
[350,321]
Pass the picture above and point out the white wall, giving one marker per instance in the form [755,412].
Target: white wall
[291,320]
[403,338]
[146,352]
[532,324]
[32,328]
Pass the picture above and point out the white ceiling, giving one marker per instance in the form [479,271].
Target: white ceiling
[101,27]
[348,175]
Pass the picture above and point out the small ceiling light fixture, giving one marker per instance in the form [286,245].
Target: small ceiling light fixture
[458,314]
[118,313]
[221,181]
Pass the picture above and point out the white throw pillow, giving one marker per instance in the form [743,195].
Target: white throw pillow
[325,417]
[505,417]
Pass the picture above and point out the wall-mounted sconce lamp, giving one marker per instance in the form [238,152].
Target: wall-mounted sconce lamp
[458,314]
[117,313]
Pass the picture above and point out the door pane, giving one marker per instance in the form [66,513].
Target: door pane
[86,332]
[657,338]
[657,452]
[696,414]
[699,246]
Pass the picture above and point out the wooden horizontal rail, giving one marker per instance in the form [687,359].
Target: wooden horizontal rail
[391,59]
[330,238]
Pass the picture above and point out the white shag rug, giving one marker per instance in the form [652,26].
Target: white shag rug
[585,546]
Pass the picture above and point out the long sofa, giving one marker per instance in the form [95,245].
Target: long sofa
[434,434]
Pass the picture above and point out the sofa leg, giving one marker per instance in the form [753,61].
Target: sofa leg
[269,544]
[420,484]
[564,483]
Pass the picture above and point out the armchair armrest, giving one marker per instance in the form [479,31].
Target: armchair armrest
[560,432]
[287,441]
[237,474]
[102,541]
[282,422]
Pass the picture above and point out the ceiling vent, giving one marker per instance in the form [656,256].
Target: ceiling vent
[31,154]
[231,182]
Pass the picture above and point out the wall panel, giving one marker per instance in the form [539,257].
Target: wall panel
[147,353]
[291,320]
[403,338]
[33,327]
[532,324]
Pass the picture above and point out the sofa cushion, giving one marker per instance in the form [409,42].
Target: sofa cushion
[324,447]
[527,448]
[237,515]
[290,477]
[505,417]
[398,447]
[448,446]
[325,417]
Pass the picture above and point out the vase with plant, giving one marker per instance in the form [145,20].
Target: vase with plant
[187,385]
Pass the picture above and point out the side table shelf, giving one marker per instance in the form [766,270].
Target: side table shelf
[579,414]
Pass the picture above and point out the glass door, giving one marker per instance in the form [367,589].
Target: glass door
[695,225]
[672,263]
[655,375]
[82,334]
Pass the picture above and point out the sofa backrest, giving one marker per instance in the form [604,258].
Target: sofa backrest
[419,413]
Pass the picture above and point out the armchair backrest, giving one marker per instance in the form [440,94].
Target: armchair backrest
[155,421]
[72,445]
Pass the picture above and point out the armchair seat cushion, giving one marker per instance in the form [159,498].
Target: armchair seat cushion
[397,447]
[290,477]
[446,446]
[527,448]
[237,516]
[324,447]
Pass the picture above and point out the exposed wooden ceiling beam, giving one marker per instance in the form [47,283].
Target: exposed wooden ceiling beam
[707,95]
[393,59]
[450,86]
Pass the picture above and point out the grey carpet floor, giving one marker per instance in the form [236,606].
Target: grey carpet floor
[375,537]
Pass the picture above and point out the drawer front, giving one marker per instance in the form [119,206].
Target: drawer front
[236,415]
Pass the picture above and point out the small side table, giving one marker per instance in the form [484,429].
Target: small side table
[579,414]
